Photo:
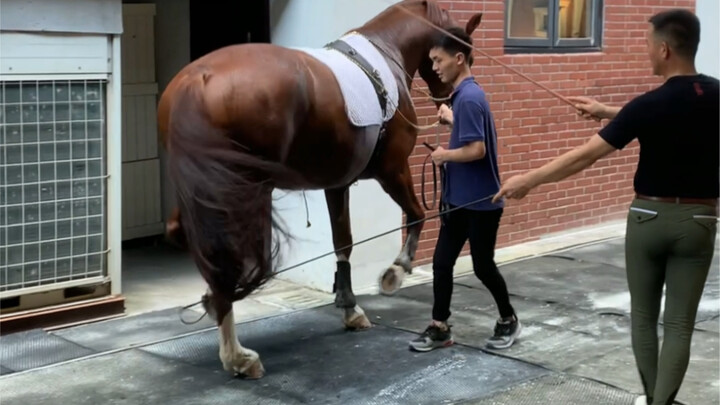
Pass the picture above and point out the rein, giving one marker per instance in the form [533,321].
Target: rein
[402,69]
[444,31]
[435,179]
[399,228]
[442,169]
[429,23]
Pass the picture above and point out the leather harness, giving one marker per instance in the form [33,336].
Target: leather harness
[382,95]
[372,74]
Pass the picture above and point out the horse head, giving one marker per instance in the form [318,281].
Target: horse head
[437,88]
[409,29]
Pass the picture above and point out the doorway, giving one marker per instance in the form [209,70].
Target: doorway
[157,275]
[229,22]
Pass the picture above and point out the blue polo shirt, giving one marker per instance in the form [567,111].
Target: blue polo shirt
[472,121]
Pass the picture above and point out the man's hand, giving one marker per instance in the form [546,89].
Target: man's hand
[589,108]
[439,155]
[445,115]
[515,187]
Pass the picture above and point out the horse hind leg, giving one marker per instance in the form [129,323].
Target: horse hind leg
[234,357]
[338,202]
[398,184]
[218,303]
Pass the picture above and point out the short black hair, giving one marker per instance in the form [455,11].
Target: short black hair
[452,45]
[680,28]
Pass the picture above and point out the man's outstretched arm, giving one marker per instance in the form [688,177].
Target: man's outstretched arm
[566,165]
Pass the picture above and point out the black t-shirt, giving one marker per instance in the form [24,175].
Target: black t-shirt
[678,128]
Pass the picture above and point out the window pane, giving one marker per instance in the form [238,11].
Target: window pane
[574,19]
[528,18]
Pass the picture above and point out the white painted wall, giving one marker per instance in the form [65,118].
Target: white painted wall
[172,53]
[708,57]
[313,23]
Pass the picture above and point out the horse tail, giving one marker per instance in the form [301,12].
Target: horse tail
[224,195]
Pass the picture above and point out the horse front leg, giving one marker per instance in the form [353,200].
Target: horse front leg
[338,202]
[235,358]
[398,184]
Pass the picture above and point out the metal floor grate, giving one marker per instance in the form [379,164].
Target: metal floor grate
[36,348]
[556,389]
[293,299]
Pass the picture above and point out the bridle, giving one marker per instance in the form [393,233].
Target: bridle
[437,99]
[446,32]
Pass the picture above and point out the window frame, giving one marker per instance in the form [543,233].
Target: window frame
[554,44]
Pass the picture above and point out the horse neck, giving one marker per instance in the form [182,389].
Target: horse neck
[407,44]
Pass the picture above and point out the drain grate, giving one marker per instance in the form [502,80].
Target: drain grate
[559,389]
[417,277]
[36,348]
[124,332]
[293,300]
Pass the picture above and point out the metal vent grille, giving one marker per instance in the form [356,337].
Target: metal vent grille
[52,194]
[558,389]
[294,300]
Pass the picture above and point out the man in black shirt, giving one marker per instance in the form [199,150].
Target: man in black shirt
[672,222]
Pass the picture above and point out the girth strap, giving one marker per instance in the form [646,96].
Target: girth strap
[374,76]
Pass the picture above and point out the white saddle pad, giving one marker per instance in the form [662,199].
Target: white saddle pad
[361,101]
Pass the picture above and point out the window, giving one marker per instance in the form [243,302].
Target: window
[553,25]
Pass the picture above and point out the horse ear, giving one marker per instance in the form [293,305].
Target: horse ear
[472,23]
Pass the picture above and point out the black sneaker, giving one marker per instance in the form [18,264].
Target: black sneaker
[505,334]
[432,338]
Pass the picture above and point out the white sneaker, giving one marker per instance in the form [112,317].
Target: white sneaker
[641,400]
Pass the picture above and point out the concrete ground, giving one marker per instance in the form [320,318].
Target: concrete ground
[569,292]
[158,276]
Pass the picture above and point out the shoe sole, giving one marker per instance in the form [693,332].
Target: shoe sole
[641,400]
[508,344]
[427,349]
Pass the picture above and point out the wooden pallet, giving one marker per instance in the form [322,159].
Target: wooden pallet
[59,307]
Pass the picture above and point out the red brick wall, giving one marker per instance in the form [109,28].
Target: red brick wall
[534,127]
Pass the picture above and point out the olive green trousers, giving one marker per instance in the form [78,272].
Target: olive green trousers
[667,245]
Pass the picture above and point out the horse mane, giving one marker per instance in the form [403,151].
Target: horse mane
[383,27]
[434,13]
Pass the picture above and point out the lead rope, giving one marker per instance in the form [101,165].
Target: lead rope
[425,21]
[434,172]
[439,214]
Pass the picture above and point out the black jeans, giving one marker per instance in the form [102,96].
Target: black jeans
[480,227]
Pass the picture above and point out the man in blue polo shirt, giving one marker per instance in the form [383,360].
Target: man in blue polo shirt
[471,174]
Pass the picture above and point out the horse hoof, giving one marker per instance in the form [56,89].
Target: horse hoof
[391,280]
[254,371]
[358,322]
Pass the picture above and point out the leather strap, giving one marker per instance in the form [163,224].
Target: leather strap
[713,202]
[374,76]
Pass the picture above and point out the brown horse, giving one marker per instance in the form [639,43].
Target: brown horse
[246,119]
